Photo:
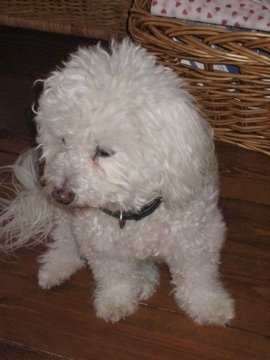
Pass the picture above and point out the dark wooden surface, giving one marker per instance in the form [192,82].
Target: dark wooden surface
[60,323]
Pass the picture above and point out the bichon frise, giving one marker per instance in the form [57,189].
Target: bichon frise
[124,174]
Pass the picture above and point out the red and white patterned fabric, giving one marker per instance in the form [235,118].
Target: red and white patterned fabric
[250,14]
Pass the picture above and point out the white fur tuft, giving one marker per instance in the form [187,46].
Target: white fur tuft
[26,215]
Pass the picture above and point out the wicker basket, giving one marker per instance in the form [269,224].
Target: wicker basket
[99,19]
[236,104]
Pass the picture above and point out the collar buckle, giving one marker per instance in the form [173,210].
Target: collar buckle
[122,221]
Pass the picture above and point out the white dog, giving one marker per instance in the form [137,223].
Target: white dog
[126,176]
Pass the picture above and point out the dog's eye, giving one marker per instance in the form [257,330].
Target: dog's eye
[102,152]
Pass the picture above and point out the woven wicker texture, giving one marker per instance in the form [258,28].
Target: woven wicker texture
[236,104]
[100,19]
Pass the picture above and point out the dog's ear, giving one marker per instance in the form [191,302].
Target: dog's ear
[188,151]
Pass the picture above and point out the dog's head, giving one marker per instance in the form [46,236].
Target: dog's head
[117,131]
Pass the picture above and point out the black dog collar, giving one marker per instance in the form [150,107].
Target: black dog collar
[122,216]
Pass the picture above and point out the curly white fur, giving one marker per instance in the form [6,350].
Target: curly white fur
[26,216]
[117,131]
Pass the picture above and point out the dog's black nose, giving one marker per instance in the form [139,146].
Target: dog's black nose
[63,195]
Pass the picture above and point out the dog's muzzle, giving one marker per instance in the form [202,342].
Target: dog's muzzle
[63,195]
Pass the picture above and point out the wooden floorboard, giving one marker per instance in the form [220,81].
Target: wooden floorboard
[60,323]
[11,351]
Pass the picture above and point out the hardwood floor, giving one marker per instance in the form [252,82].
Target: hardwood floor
[60,323]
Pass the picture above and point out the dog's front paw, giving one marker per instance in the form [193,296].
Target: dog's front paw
[114,303]
[54,272]
[214,309]
[208,306]
[48,278]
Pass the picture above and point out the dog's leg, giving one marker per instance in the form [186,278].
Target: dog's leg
[198,289]
[120,285]
[117,292]
[149,279]
[62,258]
[199,292]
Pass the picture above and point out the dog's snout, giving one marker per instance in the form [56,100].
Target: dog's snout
[63,195]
